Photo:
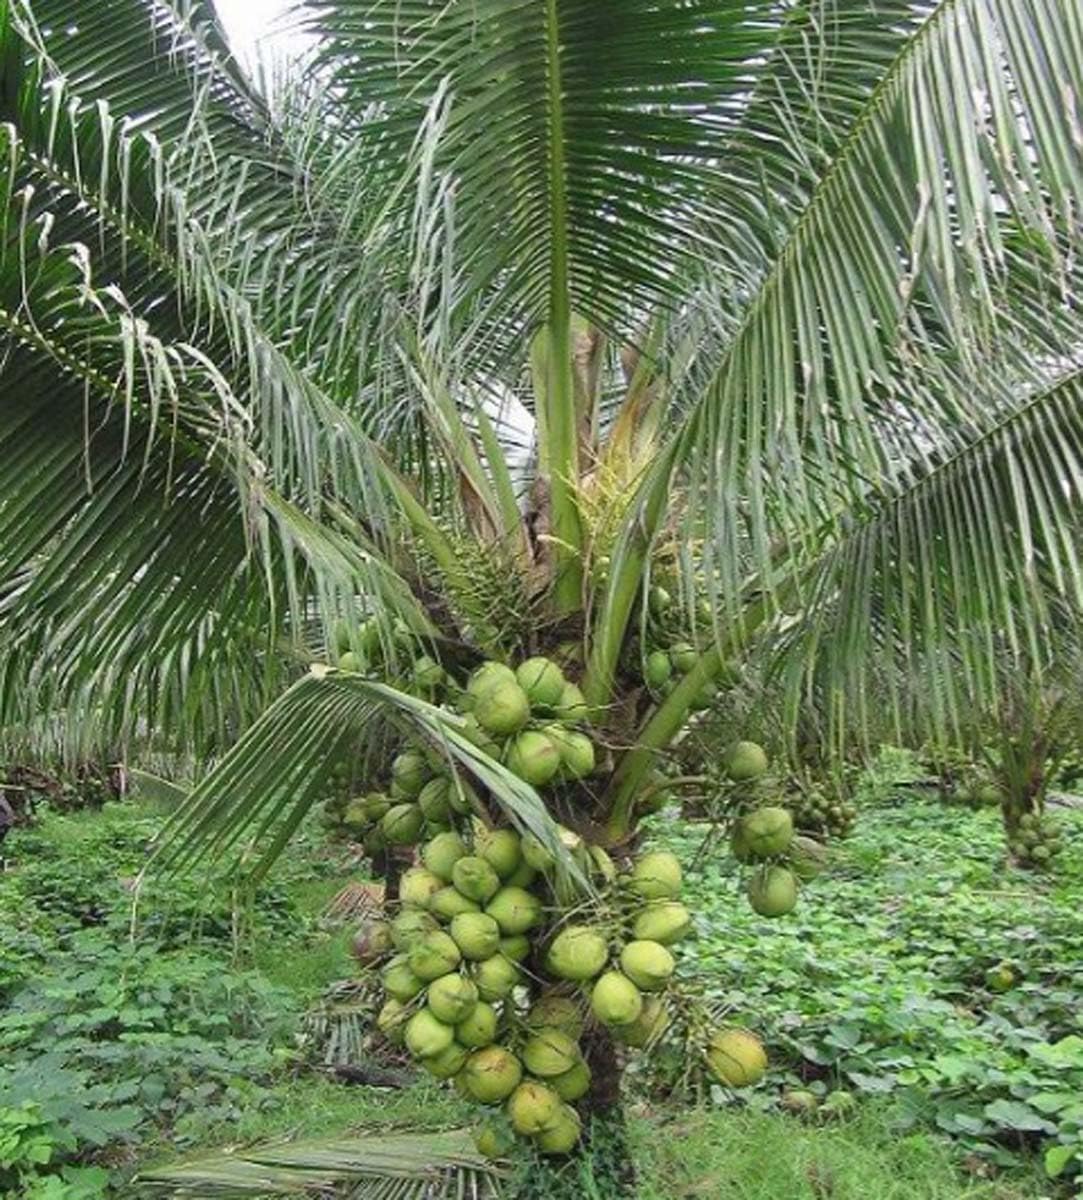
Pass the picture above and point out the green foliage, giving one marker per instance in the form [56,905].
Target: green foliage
[881,981]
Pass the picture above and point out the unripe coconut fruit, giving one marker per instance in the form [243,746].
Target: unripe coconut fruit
[410,925]
[533,757]
[371,941]
[375,842]
[496,977]
[550,1052]
[376,805]
[502,709]
[517,947]
[475,879]
[577,952]
[800,1103]
[426,1036]
[659,600]
[434,799]
[351,662]
[542,680]
[615,999]
[1000,978]
[736,1058]
[500,849]
[772,891]
[561,1136]
[427,673]
[477,736]
[399,980]
[417,886]
[533,1107]
[492,1074]
[487,676]
[535,853]
[807,857]
[656,876]
[647,964]
[657,669]
[442,853]
[744,761]
[665,921]
[552,1011]
[767,831]
[683,656]
[494,1141]
[391,1020]
[523,875]
[452,998]
[648,1026]
[576,750]
[573,1083]
[476,934]
[433,955]
[409,770]
[447,1063]
[402,824]
[572,705]
[449,902]
[515,910]
[461,797]
[356,816]
[479,1028]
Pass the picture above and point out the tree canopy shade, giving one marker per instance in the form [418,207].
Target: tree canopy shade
[787,292]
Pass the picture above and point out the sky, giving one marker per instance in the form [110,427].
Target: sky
[251,23]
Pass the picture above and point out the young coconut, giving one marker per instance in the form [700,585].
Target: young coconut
[573,1083]
[664,921]
[449,903]
[657,669]
[523,876]
[391,1021]
[552,1011]
[409,771]
[487,676]
[736,1058]
[542,680]
[442,853]
[434,799]
[578,952]
[648,1026]
[767,831]
[656,876]
[533,757]
[500,848]
[550,1052]
[433,955]
[496,977]
[475,879]
[402,824]
[410,925]
[533,1107]
[560,1137]
[515,910]
[517,947]
[492,1074]
[576,750]
[452,998]
[572,706]
[476,934]
[772,891]
[399,981]
[417,886]
[745,761]
[648,965]
[615,999]
[479,1028]
[447,1063]
[502,709]
[535,853]
[426,1036]
[807,858]
[494,1140]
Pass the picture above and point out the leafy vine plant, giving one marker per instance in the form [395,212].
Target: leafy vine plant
[520,345]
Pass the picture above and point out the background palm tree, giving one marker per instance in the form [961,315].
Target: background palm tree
[501,312]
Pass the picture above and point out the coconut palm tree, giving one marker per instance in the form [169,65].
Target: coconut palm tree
[511,327]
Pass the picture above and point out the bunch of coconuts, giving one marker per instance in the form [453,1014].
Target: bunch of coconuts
[1035,841]
[817,810]
[765,839]
[668,654]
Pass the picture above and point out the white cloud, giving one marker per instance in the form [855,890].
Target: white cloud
[261,26]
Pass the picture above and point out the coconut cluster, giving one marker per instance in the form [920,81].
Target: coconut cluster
[782,859]
[1035,841]
[821,811]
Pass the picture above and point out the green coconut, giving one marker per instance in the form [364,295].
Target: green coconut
[550,1052]
[648,1026]
[410,770]
[501,850]
[462,798]
[736,1058]
[572,706]
[408,926]
[533,757]
[615,999]
[648,965]
[683,656]
[515,910]
[487,676]
[656,876]
[502,709]
[542,680]
[799,1103]
[772,891]
[475,879]
[417,886]
[561,1136]
[536,854]
[356,816]
[553,1011]
[447,1063]
[351,662]
[523,875]
[496,977]
[433,955]
[399,980]
[427,674]
[434,799]
[402,824]
[391,1020]
[449,903]
[578,952]
[573,1083]
[744,761]
[807,857]
[767,832]
[492,1074]
[374,842]
[657,669]
[427,1036]
[533,1107]
[452,998]
[576,750]
[517,947]
[442,853]
[476,934]
[479,1028]
[376,805]
[494,1141]
[659,600]
[665,921]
